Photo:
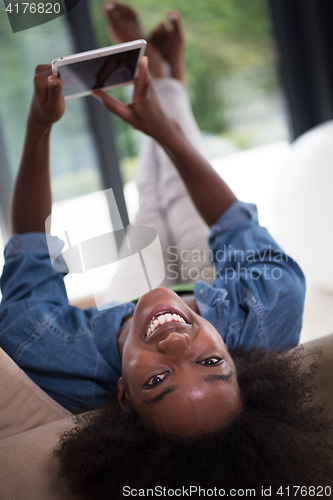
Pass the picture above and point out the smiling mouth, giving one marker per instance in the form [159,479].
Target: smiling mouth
[163,319]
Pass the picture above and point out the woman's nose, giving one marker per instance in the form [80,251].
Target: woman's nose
[175,342]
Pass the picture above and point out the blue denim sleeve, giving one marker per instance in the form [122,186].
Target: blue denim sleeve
[70,353]
[266,288]
[28,270]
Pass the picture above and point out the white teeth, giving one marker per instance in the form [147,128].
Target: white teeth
[161,320]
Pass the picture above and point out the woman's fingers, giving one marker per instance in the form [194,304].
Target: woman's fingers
[54,90]
[142,112]
[40,78]
[41,68]
[47,86]
[47,105]
[118,108]
[142,82]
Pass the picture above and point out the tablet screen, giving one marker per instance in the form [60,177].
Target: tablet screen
[105,71]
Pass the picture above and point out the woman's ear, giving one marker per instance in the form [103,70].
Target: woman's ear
[123,396]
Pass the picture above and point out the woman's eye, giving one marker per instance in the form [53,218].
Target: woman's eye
[211,361]
[157,379]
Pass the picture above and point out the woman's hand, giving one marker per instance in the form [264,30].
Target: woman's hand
[144,112]
[209,193]
[47,105]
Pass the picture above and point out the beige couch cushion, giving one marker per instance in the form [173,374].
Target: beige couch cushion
[30,425]
[23,404]
[27,469]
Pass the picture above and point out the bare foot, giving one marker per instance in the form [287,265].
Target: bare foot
[170,42]
[122,22]
[124,26]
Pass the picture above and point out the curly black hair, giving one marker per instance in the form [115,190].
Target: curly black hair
[282,438]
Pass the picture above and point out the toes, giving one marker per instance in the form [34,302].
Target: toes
[163,29]
[175,20]
[159,30]
[116,10]
[122,21]
[109,7]
[125,10]
[110,10]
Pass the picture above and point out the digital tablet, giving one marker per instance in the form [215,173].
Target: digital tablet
[105,68]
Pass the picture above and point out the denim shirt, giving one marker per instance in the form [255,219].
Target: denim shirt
[256,300]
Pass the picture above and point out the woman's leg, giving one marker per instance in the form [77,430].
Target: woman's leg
[123,25]
[164,203]
[186,228]
[125,285]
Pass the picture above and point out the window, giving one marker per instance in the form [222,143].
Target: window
[74,168]
[232,74]
[232,82]
[74,162]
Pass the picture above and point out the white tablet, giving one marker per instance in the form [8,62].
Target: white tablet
[105,68]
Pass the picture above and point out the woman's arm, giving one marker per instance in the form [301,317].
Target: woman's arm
[210,194]
[208,191]
[31,201]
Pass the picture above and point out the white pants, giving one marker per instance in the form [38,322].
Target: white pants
[165,205]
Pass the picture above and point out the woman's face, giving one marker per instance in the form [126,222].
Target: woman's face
[176,370]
